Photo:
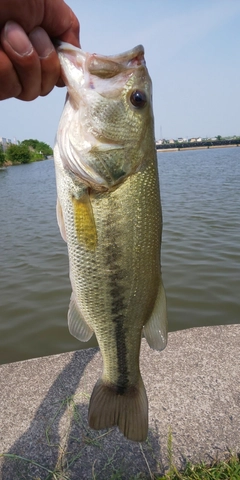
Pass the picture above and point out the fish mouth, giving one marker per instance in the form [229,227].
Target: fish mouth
[109,66]
[100,65]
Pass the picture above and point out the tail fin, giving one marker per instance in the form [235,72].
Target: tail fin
[128,411]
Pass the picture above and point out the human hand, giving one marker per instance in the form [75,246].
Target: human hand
[29,64]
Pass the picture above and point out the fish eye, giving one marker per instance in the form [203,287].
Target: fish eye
[138,99]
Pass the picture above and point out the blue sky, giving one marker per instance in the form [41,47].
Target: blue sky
[192,53]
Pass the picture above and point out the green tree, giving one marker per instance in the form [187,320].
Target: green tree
[219,138]
[18,153]
[38,146]
[2,156]
[31,143]
[45,149]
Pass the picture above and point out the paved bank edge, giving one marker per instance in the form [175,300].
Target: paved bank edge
[193,389]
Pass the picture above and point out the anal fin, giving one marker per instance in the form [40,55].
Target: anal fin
[155,330]
[76,323]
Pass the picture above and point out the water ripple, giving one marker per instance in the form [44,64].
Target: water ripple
[201,254]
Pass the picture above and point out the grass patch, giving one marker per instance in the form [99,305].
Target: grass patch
[228,469]
[222,470]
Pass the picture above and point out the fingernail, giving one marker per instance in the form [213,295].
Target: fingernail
[41,42]
[17,39]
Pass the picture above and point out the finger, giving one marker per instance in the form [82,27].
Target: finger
[54,16]
[9,81]
[60,22]
[50,66]
[71,35]
[24,58]
[60,83]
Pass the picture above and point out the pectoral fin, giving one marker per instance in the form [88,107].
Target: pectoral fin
[84,221]
[76,323]
[155,330]
[60,220]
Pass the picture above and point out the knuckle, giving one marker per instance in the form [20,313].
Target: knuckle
[9,88]
[46,91]
[10,85]
[28,96]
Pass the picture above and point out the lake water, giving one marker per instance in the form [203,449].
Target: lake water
[200,193]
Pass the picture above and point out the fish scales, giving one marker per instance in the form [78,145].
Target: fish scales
[113,231]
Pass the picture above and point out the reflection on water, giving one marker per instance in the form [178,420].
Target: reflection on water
[200,252]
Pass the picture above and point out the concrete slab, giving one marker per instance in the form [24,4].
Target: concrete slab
[193,390]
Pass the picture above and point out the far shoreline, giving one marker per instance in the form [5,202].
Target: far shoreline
[9,163]
[205,147]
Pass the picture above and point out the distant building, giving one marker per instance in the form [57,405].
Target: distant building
[172,141]
[5,142]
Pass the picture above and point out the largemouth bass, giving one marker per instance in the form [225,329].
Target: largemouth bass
[109,213]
